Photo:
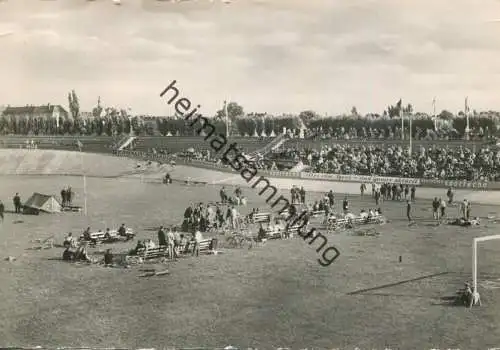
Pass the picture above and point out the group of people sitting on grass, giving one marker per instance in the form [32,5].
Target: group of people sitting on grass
[73,252]
[76,250]
[81,254]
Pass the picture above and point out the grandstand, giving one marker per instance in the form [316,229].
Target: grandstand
[181,144]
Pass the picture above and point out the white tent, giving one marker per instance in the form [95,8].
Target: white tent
[42,202]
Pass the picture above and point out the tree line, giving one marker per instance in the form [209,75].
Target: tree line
[119,125]
[117,122]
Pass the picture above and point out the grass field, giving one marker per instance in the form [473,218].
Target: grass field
[275,295]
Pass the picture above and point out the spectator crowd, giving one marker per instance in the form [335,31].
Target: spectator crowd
[431,163]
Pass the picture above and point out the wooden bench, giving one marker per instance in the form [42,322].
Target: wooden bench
[293,230]
[366,221]
[276,233]
[205,245]
[334,223]
[261,217]
[97,237]
[129,234]
[152,253]
[342,223]
[316,213]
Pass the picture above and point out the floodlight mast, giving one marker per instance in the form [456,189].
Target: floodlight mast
[474,256]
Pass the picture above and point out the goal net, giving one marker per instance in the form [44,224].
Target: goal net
[475,242]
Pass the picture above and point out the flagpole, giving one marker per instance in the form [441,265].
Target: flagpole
[466,111]
[411,138]
[402,114]
[434,113]
[84,186]
[227,119]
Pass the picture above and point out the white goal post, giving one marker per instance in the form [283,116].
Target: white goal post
[474,256]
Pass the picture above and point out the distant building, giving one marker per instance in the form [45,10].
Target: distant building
[45,111]
[86,115]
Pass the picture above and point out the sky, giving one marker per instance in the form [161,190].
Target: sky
[274,56]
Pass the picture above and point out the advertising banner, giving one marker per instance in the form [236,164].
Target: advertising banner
[360,178]
[455,183]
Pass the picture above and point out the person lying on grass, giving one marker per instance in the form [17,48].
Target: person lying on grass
[464,222]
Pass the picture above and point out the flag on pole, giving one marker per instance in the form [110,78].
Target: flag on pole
[467,109]
[434,113]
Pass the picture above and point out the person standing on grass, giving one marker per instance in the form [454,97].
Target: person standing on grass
[162,239]
[377,197]
[2,210]
[197,237]
[302,195]
[442,207]
[362,189]
[69,196]
[219,215]
[394,191]
[412,193]
[463,209]
[177,241]
[17,203]
[63,197]
[170,245]
[407,191]
[223,196]
[435,209]
[331,198]
[450,195]
[234,218]
[345,205]
[408,211]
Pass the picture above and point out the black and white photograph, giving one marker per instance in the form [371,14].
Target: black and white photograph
[250,174]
